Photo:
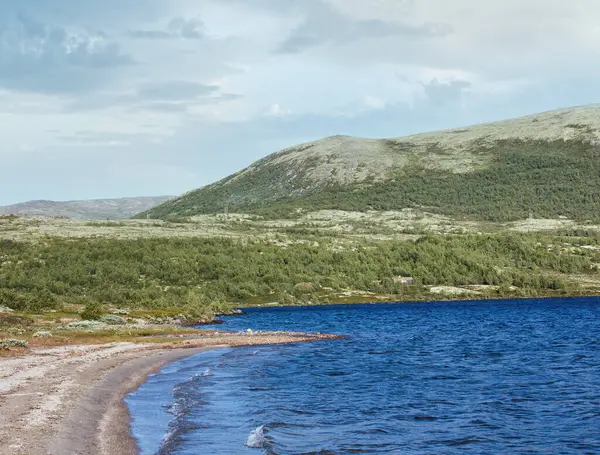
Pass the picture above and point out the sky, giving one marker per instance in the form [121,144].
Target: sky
[120,98]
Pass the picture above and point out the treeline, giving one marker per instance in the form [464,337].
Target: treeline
[524,178]
[519,178]
[172,272]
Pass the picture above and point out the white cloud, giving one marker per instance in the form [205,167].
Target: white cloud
[275,110]
[372,102]
[196,90]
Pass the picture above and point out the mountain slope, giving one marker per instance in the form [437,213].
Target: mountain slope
[545,164]
[99,209]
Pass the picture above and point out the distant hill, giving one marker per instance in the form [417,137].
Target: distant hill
[545,165]
[99,209]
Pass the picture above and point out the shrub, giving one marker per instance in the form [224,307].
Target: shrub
[201,309]
[13,343]
[120,311]
[304,288]
[86,325]
[9,298]
[92,311]
[113,319]
[9,320]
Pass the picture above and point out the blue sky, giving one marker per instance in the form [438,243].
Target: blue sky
[120,98]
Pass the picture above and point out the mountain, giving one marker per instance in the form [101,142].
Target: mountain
[545,165]
[98,209]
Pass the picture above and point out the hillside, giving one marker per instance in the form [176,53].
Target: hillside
[544,165]
[98,209]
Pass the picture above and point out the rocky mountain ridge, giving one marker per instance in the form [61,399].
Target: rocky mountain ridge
[98,209]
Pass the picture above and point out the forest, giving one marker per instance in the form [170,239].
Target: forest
[198,274]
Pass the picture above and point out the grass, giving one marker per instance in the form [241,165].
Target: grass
[127,334]
[133,334]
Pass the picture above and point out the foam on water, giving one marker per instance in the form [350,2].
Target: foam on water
[187,397]
[486,377]
[256,438]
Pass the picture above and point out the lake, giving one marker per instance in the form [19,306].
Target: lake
[515,376]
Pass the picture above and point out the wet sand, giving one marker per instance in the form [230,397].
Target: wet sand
[68,400]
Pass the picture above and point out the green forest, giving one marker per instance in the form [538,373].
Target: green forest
[214,273]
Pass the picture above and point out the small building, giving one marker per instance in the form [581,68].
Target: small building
[403,280]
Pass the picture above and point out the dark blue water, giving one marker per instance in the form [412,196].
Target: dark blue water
[514,377]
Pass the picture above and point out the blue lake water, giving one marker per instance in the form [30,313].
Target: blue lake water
[518,377]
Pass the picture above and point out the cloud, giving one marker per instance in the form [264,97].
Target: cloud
[48,59]
[172,96]
[103,12]
[176,91]
[99,138]
[150,34]
[188,29]
[179,27]
[372,102]
[324,24]
[445,92]
[275,110]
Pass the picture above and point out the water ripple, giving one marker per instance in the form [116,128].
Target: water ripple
[489,377]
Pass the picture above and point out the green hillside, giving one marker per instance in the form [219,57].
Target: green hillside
[546,165]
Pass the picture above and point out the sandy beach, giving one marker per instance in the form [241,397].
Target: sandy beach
[68,400]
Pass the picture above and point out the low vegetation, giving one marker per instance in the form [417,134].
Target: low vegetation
[19,340]
[512,179]
[192,279]
[13,343]
[524,178]
[508,209]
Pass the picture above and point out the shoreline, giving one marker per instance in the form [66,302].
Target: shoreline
[70,399]
[113,427]
[455,299]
